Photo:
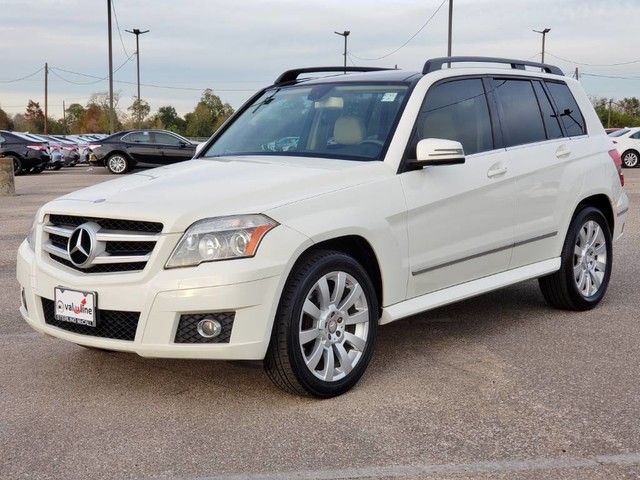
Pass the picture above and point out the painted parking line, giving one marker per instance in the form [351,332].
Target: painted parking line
[397,471]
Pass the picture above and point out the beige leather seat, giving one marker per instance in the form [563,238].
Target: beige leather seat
[348,130]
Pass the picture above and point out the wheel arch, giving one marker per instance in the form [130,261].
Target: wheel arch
[361,250]
[602,203]
[118,152]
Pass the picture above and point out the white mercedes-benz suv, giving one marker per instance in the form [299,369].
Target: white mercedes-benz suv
[329,205]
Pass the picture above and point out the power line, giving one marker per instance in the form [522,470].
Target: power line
[169,87]
[608,76]
[407,42]
[593,65]
[113,7]
[23,78]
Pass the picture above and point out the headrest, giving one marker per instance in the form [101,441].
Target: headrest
[348,130]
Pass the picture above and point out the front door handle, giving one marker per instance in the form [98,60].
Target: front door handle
[496,171]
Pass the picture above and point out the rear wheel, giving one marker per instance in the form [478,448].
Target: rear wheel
[630,159]
[117,164]
[585,270]
[325,327]
[17,165]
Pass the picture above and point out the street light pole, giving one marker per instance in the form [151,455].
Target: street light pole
[544,33]
[449,42]
[137,33]
[344,34]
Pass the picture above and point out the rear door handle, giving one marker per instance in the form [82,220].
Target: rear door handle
[563,151]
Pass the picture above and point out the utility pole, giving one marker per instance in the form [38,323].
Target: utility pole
[111,122]
[344,34]
[46,97]
[137,33]
[544,34]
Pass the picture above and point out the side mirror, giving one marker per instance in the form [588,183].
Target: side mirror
[438,151]
[199,148]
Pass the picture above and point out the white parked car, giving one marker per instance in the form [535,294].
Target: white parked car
[627,142]
[328,206]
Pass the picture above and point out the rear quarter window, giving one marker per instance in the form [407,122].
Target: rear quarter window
[567,108]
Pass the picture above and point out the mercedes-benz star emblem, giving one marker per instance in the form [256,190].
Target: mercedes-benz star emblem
[82,245]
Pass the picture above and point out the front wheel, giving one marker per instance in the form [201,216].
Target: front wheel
[630,159]
[585,270]
[117,164]
[325,327]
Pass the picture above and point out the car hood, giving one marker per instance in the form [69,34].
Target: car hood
[181,194]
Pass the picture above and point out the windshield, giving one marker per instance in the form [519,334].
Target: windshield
[346,121]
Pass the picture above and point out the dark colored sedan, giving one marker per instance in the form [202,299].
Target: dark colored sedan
[28,154]
[124,151]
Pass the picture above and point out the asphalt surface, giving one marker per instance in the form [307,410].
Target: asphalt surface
[501,386]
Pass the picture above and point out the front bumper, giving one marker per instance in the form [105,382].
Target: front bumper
[248,288]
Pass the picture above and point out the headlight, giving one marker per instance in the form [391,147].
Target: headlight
[31,236]
[220,238]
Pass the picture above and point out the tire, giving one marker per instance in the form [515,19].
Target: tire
[117,164]
[585,270]
[630,159]
[17,165]
[37,170]
[325,327]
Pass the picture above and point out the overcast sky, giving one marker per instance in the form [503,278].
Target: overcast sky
[235,47]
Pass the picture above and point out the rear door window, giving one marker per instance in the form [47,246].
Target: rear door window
[549,116]
[519,111]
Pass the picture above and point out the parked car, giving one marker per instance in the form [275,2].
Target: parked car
[402,192]
[84,145]
[54,147]
[69,148]
[627,142]
[28,154]
[124,151]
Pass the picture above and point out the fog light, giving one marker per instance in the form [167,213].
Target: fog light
[209,328]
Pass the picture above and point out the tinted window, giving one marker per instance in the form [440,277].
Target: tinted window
[166,139]
[519,112]
[635,136]
[457,110]
[568,110]
[137,137]
[548,115]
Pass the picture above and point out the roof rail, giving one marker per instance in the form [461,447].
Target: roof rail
[290,76]
[437,63]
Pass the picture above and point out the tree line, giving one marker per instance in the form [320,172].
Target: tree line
[617,113]
[207,116]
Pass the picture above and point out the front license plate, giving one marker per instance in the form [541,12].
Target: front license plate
[76,307]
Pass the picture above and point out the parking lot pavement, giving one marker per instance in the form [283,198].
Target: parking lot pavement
[500,386]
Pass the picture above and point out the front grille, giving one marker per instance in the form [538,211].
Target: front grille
[120,245]
[115,324]
[188,332]
[108,223]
